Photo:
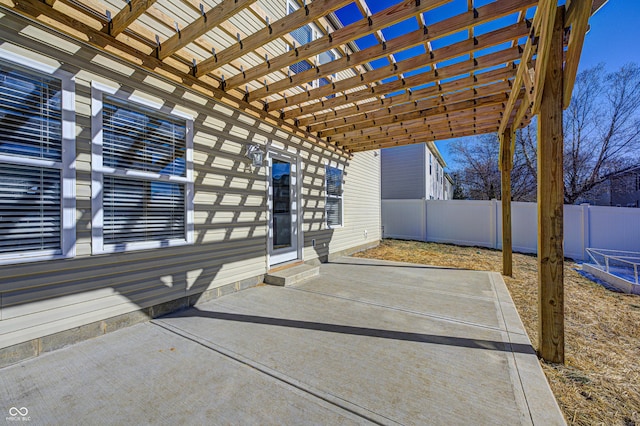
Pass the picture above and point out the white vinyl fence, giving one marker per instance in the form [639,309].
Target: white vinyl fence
[479,223]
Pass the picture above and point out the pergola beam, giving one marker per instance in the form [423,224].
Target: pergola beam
[379,21]
[413,81]
[299,18]
[577,16]
[425,109]
[492,93]
[422,127]
[539,30]
[209,20]
[437,30]
[433,137]
[127,15]
[38,10]
[513,32]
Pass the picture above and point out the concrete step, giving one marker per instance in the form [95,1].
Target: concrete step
[291,276]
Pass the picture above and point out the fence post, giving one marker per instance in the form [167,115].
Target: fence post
[586,238]
[493,218]
[424,220]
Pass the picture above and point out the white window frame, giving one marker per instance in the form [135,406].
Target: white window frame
[327,196]
[315,31]
[98,171]
[66,165]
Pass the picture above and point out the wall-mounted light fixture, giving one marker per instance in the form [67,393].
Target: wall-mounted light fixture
[255,154]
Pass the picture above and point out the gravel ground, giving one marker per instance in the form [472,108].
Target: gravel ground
[600,381]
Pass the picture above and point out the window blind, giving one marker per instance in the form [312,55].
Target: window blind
[142,210]
[31,128]
[29,208]
[142,140]
[333,203]
[137,209]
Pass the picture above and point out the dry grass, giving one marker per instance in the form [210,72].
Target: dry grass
[600,381]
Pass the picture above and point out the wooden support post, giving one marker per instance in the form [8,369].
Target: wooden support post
[551,204]
[506,165]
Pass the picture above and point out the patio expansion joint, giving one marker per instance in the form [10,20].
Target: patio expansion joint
[333,401]
[422,314]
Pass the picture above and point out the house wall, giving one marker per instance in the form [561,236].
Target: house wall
[403,172]
[412,172]
[625,189]
[230,240]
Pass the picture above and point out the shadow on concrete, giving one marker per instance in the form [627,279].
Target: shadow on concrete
[448,268]
[360,331]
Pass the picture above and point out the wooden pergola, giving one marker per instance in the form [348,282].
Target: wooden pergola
[486,81]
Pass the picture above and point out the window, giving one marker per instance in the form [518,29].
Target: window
[302,36]
[142,175]
[333,202]
[37,152]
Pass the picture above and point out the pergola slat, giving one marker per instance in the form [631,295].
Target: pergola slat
[513,32]
[419,113]
[445,103]
[417,80]
[35,9]
[380,20]
[451,124]
[432,122]
[431,137]
[300,17]
[436,30]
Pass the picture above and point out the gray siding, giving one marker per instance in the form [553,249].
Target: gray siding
[403,172]
[42,298]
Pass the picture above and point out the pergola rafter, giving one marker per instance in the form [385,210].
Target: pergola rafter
[445,103]
[397,69]
[380,20]
[423,35]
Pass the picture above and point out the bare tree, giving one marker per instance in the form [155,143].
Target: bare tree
[480,174]
[602,127]
[601,135]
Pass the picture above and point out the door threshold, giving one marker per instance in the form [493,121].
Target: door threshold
[285,265]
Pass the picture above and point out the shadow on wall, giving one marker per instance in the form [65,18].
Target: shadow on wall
[230,213]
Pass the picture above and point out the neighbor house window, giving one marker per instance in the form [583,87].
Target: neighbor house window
[142,176]
[37,152]
[333,203]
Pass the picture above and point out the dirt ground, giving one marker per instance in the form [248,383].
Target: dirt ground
[600,381]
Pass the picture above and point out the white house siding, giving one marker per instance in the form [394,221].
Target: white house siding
[361,204]
[412,172]
[403,172]
[230,240]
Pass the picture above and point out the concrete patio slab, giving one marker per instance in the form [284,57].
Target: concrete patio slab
[363,342]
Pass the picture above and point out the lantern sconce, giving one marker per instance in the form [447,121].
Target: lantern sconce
[255,154]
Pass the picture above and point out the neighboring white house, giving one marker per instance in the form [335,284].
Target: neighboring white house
[414,172]
[125,194]
[448,186]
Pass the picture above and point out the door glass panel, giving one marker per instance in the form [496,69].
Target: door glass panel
[281,184]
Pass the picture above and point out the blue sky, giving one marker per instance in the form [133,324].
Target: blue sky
[614,37]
